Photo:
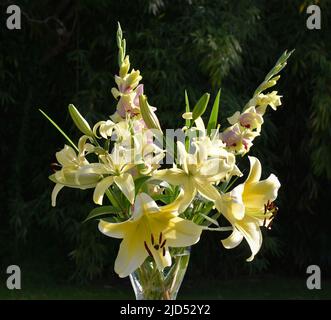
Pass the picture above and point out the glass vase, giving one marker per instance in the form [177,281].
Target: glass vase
[149,283]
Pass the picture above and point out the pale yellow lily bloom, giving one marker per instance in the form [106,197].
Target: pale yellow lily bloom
[248,207]
[116,165]
[198,173]
[71,163]
[105,129]
[150,232]
[133,135]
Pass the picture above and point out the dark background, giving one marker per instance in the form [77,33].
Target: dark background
[66,53]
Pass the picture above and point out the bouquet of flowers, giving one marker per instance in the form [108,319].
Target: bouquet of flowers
[158,196]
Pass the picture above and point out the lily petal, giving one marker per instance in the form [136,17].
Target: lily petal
[190,192]
[182,156]
[255,170]
[231,205]
[131,254]
[55,192]
[185,234]
[252,233]
[101,188]
[126,185]
[207,190]
[144,203]
[96,168]
[67,156]
[117,230]
[233,240]
[215,169]
[162,261]
[174,206]
[173,176]
[257,194]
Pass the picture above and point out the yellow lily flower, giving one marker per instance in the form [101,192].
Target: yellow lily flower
[150,232]
[116,166]
[248,207]
[198,173]
[105,129]
[71,163]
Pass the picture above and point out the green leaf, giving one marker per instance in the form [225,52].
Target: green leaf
[100,211]
[200,107]
[212,123]
[187,109]
[138,183]
[59,129]
[166,199]
[207,207]
[209,219]
[227,185]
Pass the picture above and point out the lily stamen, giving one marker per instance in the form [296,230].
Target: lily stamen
[163,243]
[271,208]
[147,249]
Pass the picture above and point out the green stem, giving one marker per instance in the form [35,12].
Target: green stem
[113,199]
[162,285]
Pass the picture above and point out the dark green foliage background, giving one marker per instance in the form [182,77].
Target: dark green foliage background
[198,45]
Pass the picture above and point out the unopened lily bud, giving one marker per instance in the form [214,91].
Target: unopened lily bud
[147,114]
[79,121]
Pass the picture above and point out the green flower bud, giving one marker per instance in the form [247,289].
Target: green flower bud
[79,121]
[147,114]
